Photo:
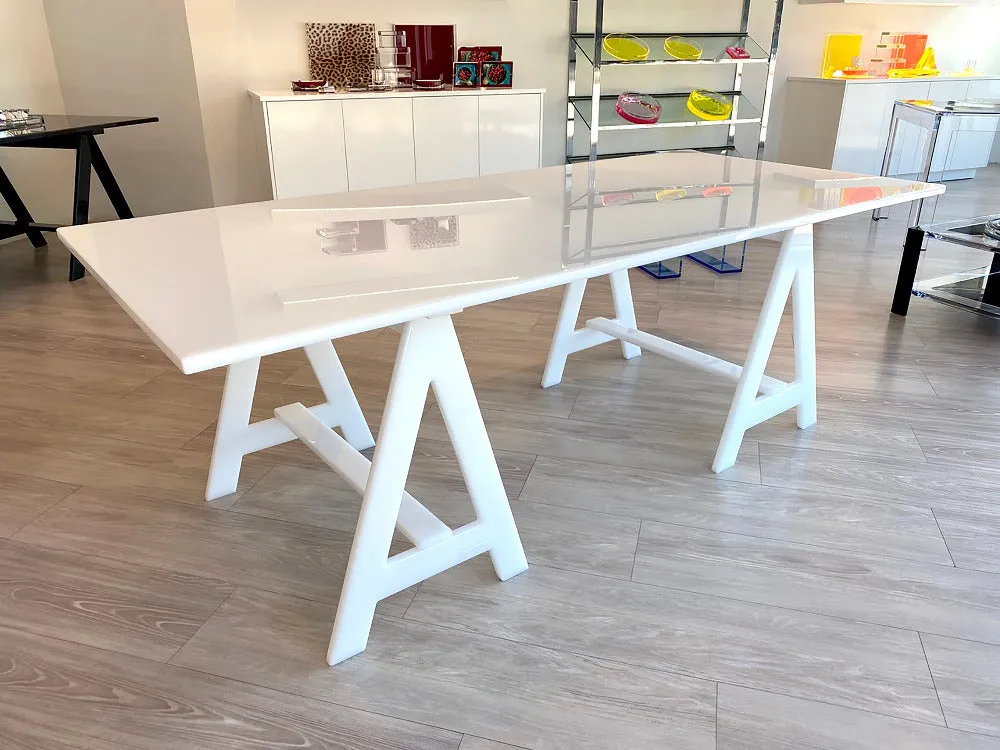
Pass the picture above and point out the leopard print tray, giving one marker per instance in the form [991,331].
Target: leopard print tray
[343,54]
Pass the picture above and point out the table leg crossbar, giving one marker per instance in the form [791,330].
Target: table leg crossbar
[793,276]
[428,356]
[235,437]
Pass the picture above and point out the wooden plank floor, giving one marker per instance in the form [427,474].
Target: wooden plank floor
[839,588]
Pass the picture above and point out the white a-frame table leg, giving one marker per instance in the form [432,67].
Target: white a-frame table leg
[568,339]
[793,272]
[428,355]
[235,437]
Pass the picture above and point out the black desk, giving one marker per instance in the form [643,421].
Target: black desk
[71,132]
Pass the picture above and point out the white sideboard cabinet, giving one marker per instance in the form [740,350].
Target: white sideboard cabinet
[331,143]
[844,124]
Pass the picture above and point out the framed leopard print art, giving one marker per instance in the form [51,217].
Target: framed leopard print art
[342,54]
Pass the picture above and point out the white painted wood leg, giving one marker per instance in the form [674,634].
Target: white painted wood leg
[429,356]
[341,403]
[235,437]
[794,270]
[563,338]
[804,336]
[567,339]
[621,293]
[232,428]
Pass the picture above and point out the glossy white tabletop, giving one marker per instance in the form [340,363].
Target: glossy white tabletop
[218,286]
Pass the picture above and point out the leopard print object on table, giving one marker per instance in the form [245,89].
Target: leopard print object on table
[343,54]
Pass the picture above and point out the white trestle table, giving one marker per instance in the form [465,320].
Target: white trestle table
[224,287]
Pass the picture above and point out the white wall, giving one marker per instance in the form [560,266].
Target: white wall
[44,179]
[123,57]
[236,168]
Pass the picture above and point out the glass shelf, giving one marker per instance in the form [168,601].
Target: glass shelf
[966,290]
[969,232]
[675,113]
[714,46]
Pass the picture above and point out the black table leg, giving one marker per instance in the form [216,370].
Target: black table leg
[991,292]
[81,200]
[907,270]
[107,178]
[22,217]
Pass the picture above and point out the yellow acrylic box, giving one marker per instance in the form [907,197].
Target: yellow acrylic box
[841,51]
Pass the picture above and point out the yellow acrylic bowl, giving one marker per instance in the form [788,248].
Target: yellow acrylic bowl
[680,48]
[625,47]
[709,105]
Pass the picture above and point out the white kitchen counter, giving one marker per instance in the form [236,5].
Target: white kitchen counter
[843,123]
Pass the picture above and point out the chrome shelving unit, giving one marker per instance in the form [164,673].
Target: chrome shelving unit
[594,112]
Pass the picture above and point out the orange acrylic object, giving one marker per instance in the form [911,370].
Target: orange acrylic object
[915,45]
[926,67]
[840,53]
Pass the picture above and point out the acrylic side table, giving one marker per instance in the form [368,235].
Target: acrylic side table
[977,290]
[943,121]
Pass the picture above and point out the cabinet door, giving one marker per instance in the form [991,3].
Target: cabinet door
[984,89]
[911,141]
[949,90]
[965,143]
[987,89]
[948,139]
[306,143]
[864,125]
[379,137]
[446,137]
[860,143]
[510,132]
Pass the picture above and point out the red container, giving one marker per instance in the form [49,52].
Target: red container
[639,109]
[432,52]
